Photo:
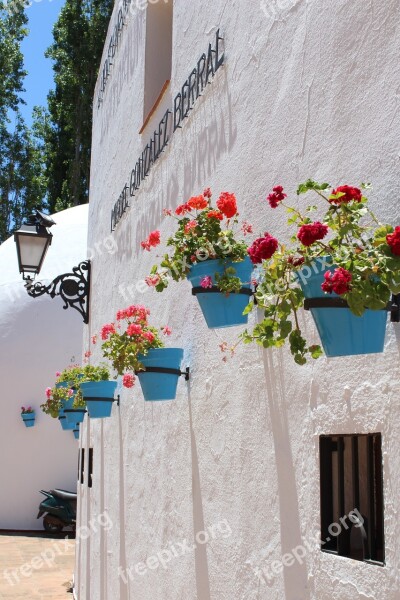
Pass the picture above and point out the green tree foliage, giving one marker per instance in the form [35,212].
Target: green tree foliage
[79,35]
[21,181]
[22,185]
[12,32]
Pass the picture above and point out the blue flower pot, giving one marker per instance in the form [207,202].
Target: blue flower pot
[221,310]
[64,423]
[342,333]
[28,419]
[103,392]
[75,415]
[76,433]
[66,403]
[160,386]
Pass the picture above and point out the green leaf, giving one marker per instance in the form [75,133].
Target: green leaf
[316,351]
[285,328]
[356,302]
[300,359]
[248,308]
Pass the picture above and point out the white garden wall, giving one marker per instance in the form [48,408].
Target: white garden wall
[37,338]
[309,89]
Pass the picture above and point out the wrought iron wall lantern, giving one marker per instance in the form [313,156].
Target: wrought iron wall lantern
[33,241]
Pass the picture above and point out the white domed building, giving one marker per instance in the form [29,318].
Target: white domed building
[37,338]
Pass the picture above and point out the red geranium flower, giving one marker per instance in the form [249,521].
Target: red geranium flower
[128,380]
[152,241]
[215,214]
[393,239]
[207,193]
[262,248]
[197,202]
[309,234]
[349,194]
[337,282]
[227,204]
[276,196]
[183,209]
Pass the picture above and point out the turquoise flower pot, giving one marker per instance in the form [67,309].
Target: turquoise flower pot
[160,386]
[76,433]
[99,397]
[28,419]
[221,310]
[342,333]
[66,403]
[64,423]
[75,415]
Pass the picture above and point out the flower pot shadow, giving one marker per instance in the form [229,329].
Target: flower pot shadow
[296,578]
[201,560]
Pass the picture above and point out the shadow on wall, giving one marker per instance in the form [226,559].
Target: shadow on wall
[192,156]
[295,577]
[124,589]
[128,58]
[87,550]
[201,562]
[103,533]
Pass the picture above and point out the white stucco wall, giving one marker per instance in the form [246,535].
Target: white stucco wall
[309,88]
[37,338]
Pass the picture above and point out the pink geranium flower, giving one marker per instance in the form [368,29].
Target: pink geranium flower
[107,330]
[149,336]
[152,280]
[134,329]
[206,282]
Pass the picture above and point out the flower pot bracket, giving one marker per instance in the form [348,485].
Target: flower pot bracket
[185,373]
[25,420]
[215,290]
[393,307]
[74,410]
[93,398]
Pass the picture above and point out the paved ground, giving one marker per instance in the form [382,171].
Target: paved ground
[35,568]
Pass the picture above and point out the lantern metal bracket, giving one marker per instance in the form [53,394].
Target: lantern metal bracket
[73,288]
[393,306]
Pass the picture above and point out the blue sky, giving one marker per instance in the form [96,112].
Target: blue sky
[42,16]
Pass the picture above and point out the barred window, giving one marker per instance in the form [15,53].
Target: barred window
[352,521]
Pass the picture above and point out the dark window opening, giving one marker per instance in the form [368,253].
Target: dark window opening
[158,61]
[352,485]
[90,476]
[82,466]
